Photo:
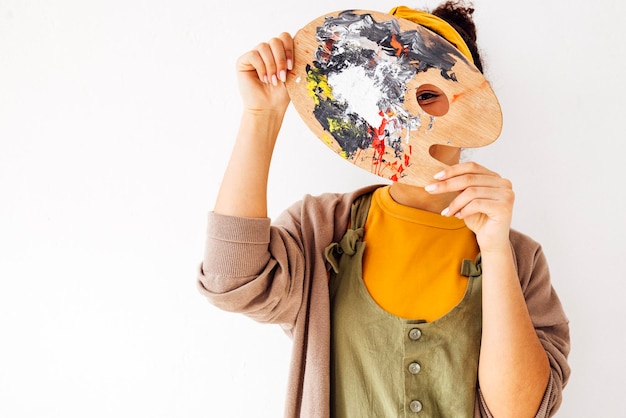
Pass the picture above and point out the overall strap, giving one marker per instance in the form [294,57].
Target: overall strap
[360,209]
[354,233]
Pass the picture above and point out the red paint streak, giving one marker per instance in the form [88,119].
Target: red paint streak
[379,148]
[358,153]
[381,129]
[378,144]
[392,170]
[457,96]
[407,156]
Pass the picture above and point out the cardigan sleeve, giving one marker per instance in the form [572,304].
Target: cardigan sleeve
[548,317]
[264,269]
[252,267]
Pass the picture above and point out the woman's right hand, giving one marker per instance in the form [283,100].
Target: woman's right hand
[262,72]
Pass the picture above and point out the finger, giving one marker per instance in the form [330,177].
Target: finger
[279,57]
[271,60]
[253,61]
[288,45]
[487,200]
[469,167]
[267,72]
[464,181]
[474,207]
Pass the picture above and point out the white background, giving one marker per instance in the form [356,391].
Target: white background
[116,120]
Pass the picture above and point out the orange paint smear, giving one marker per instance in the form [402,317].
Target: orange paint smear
[457,96]
[397,45]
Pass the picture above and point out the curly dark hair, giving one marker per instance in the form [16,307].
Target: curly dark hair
[459,15]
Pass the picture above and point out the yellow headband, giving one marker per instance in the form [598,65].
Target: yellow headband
[436,24]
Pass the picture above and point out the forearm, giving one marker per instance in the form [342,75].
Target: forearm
[243,191]
[513,369]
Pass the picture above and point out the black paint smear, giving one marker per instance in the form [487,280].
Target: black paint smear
[351,136]
[349,130]
[429,53]
[422,50]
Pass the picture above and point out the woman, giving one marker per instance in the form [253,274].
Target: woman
[387,326]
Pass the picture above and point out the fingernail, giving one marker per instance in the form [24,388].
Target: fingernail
[283,76]
[439,175]
[265,80]
[430,187]
[274,80]
[445,211]
[290,65]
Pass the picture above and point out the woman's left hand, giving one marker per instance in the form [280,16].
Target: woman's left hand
[484,202]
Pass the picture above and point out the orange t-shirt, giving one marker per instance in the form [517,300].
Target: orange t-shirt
[412,259]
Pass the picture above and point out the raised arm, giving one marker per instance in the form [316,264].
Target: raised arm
[248,266]
[261,74]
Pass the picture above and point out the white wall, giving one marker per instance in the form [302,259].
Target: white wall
[116,119]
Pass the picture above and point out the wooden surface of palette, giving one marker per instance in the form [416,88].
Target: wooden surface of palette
[473,119]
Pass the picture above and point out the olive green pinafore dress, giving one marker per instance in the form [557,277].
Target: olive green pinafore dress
[386,366]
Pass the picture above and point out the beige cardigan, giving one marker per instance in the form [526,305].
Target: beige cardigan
[277,273]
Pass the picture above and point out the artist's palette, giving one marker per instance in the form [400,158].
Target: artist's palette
[356,78]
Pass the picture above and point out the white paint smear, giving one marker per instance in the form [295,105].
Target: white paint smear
[359,91]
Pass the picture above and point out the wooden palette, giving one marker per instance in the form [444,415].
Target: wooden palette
[354,83]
